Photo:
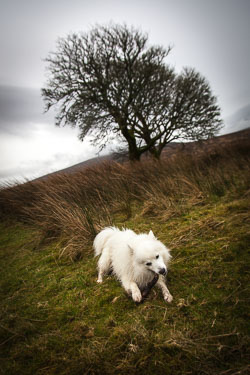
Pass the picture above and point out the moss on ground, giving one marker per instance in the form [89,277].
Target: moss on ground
[55,318]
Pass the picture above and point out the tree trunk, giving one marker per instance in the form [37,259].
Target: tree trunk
[134,152]
[155,153]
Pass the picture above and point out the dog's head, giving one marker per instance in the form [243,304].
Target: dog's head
[150,253]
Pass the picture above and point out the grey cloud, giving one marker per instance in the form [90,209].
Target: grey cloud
[239,120]
[31,169]
[20,110]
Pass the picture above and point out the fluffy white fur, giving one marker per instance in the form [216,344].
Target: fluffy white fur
[134,259]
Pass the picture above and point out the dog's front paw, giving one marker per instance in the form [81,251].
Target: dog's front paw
[168,298]
[136,295]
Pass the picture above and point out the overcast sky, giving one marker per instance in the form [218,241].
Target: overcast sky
[212,36]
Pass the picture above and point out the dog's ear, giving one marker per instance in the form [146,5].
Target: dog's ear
[151,235]
[131,250]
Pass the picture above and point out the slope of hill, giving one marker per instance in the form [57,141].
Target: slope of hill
[55,318]
[170,151]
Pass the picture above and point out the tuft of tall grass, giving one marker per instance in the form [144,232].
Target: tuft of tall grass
[74,207]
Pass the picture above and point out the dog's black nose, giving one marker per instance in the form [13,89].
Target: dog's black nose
[162,271]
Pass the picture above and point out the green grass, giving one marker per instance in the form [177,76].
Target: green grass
[55,318]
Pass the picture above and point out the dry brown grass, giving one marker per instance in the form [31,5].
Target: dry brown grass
[55,318]
[75,206]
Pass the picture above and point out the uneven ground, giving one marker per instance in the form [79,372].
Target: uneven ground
[55,318]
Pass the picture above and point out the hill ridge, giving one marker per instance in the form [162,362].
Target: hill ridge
[170,150]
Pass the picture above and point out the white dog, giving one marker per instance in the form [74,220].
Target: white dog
[136,260]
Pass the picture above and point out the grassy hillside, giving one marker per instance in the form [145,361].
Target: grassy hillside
[55,318]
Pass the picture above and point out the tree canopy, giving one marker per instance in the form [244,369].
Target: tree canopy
[111,84]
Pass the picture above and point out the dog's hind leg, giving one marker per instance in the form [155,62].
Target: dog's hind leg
[162,285]
[104,264]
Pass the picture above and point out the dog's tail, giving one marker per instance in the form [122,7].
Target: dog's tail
[102,238]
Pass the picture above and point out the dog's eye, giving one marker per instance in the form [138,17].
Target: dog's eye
[149,264]
[157,256]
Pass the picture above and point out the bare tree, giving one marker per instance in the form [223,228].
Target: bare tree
[110,84]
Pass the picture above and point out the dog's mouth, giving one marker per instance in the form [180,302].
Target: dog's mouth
[163,272]
[155,274]
[158,272]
